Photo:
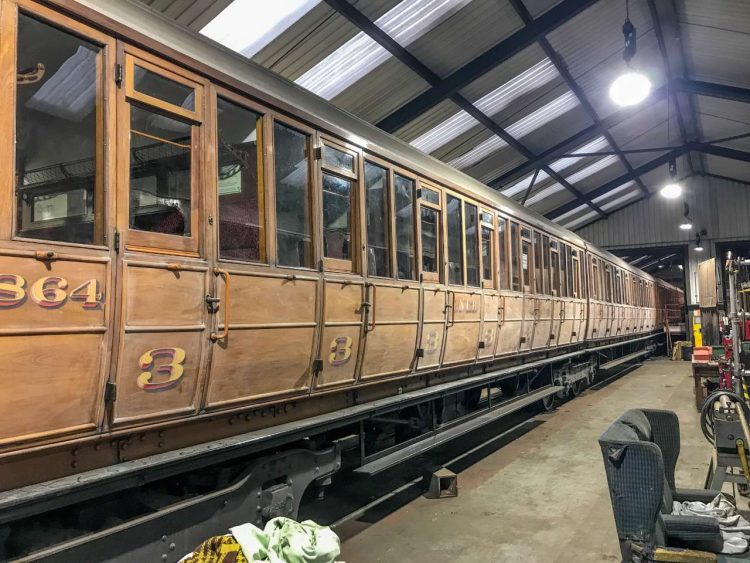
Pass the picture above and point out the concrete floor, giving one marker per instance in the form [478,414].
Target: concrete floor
[543,497]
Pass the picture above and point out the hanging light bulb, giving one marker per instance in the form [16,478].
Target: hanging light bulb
[698,244]
[686,224]
[632,87]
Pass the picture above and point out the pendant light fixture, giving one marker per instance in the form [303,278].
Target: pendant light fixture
[686,224]
[631,87]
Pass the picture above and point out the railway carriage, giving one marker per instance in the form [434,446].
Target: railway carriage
[192,248]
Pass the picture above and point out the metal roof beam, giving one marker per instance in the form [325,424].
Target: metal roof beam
[576,140]
[725,152]
[713,90]
[574,87]
[370,28]
[491,58]
[665,21]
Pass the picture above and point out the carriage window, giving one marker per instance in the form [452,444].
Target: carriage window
[293,230]
[565,290]
[555,272]
[404,205]
[538,279]
[162,88]
[487,254]
[430,196]
[455,246]
[338,159]
[514,258]
[525,266]
[472,245]
[608,283]
[378,248]
[337,217]
[240,183]
[160,173]
[502,249]
[430,226]
[546,265]
[58,191]
[575,270]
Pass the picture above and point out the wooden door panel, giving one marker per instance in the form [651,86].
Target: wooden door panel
[342,332]
[462,337]
[510,324]
[529,322]
[54,317]
[567,323]
[269,350]
[557,315]
[488,334]
[392,333]
[543,324]
[163,335]
[433,327]
[158,375]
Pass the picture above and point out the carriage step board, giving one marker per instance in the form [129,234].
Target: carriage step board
[626,358]
[455,431]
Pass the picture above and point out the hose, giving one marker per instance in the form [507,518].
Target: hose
[707,420]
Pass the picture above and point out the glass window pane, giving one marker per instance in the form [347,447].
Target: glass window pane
[486,253]
[56,135]
[472,245]
[572,291]
[538,285]
[240,182]
[555,274]
[430,223]
[487,217]
[514,258]
[503,266]
[430,196]
[160,173]
[337,217]
[378,249]
[525,266]
[338,159]
[292,170]
[546,265]
[576,270]
[158,86]
[404,189]
[455,236]
[564,256]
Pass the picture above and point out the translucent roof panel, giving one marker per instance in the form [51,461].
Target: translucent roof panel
[357,57]
[246,26]
[489,104]
[524,126]
[580,220]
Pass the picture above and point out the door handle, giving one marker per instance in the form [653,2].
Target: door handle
[225,276]
[370,307]
[501,310]
[452,308]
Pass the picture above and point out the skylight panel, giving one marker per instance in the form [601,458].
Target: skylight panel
[581,219]
[490,104]
[246,26]
[570,213]
[620,200]
[519,129]
[592,168]
[614,191]
[543,194]
[558,166]
[405,23]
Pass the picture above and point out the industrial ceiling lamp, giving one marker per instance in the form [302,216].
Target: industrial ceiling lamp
[672,189]
[686,224]
[698,244]
[632,87]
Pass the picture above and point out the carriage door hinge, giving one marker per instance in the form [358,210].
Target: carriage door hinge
[318,153]
[118,75]
[110,392]
[117,240]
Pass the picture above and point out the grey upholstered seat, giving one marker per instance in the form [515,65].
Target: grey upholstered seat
[641,479]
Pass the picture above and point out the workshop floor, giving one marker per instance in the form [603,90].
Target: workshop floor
[543,497]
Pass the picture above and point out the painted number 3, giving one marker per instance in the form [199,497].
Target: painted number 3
[341,350]
[172,369]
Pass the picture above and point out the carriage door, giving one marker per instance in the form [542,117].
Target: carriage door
[56,294]
[543,315]
[490,298]
[558,304]
[344,292]
[530,306]
[165,278]
[510,309]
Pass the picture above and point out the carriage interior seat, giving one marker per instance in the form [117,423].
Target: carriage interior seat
[640,451]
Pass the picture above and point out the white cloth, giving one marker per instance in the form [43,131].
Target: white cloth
[735,530]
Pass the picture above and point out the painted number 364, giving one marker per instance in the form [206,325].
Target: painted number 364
[48,292]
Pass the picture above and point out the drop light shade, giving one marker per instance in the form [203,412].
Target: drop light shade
[671,190]
[699,248]
[630,89]
[686,225]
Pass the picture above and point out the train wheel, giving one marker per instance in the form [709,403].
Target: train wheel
[578,387]
[550,402]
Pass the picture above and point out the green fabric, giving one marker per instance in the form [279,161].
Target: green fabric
[285,541]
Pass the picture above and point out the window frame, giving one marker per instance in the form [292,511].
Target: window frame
[351,265]
[438,276]
[554,272]
[465,201]
[314,204]
[265,148]
[149,241]
[106,107]
[462,233]
[399,171]
[506,247]
[526,288]
[491,282]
